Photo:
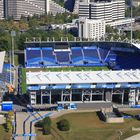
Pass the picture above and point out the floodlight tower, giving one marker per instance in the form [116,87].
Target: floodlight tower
[13,34]
[131,4]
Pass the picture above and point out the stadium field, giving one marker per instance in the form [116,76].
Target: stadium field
[68,69]
[88,126]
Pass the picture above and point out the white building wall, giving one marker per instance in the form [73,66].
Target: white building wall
[91,29]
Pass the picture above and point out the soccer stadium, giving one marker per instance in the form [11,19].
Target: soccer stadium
[82,72]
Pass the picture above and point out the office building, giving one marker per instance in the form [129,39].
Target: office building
[18,8]
[91,29]
[107,10]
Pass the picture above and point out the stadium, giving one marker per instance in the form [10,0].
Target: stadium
[82,72]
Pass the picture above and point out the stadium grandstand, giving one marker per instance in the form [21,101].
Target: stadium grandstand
[114,55]
[7,83]
[119,84]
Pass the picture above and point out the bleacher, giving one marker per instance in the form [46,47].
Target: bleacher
[127,61]
[77,56]
[82,55]
[103,54]
[33,57]
[63,57]
[48,56]
[91,55]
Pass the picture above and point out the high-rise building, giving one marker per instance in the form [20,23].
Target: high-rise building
[109,10]
[1,9]
[91,29]
[18,8]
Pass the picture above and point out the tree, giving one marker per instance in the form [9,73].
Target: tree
[63,125]
[47,121]
[46,126]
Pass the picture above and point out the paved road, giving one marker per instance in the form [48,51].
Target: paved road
[95,105]
[26,127]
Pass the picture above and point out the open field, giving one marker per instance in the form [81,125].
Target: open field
[68,69]
[4,135]
[88,126]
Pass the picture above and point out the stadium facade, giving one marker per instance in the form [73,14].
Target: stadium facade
[120,84]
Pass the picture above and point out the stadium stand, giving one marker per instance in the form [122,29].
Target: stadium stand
[101,54]
[48,56]
[91,54]
[127,61]
[62,57]
[77,56]
[33,57]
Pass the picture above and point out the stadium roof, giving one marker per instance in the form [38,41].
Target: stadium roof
[136,45]
[74,77]
[2,56]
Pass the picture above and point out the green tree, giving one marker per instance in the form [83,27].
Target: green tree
[46,126]
[63,125]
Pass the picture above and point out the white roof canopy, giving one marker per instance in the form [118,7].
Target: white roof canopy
[75,77]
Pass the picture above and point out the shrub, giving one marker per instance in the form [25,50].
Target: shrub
[63,125]
[39,124]
[46,129]
[47,121]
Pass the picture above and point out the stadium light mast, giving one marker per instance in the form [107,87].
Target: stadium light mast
[13,34]
[131,4]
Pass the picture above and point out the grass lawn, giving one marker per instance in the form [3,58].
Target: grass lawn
[70,69]
[4,135]
[23,80]
[87,126]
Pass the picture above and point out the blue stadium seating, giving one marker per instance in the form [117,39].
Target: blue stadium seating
[48,56]
[127,60]
[91,54]
[33,56]
[103,52]
[63,57]
[99,54]
[77,56]
[5,75]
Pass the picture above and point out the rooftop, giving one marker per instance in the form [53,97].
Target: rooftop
[74,77]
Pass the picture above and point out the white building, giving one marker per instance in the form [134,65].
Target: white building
[1,9]
[124,21]
[91,29]
[108,10]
